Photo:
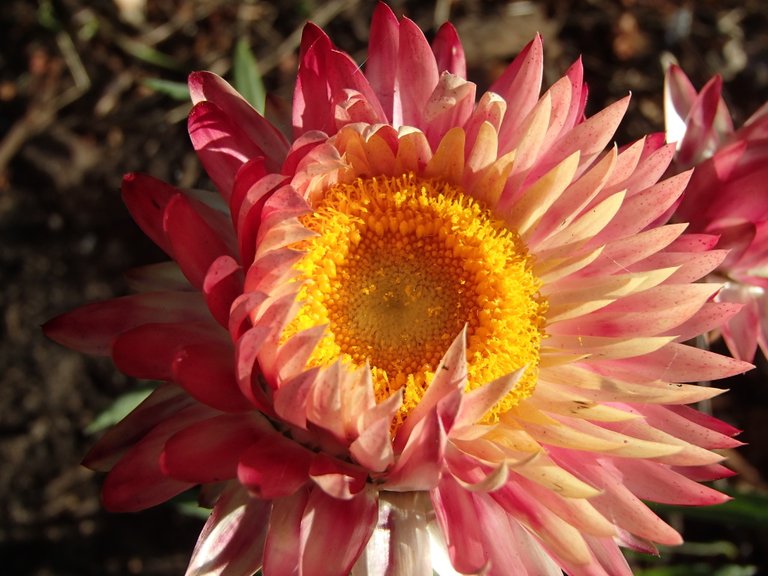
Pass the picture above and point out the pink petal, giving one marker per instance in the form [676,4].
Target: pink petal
[510,548]
[146,198]
[373,447]
[450,105]
[588,138]
[290,399]
[300,148]
[206,372]
[281,206]
[563,540]
[249,218]
[222,284]
[420,465]
[693,426]
[643,208]
[275,467]
[700,134]
[741,331]
[617,501]
[195,234]
[221,144]
[679,363]
[449,53]
[209,451]
[519,86]
[381,66]
[232,540]
[608,555]
[247,370]
[416,73]
[712,315]
[162,404]
[137,481]
[647,172]
[93,328]
[477,402]
[337,478]
[148,351]
[297,350]
[578,94]
[240,312]
[311,102]
[659,483]
[704,473]
[334,532]
[324,405]
[330,74]
[458,518]
[282,554]
[450,376]
[247,176]
[207,86]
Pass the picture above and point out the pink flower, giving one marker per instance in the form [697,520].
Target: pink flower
[426,324]
[726,197]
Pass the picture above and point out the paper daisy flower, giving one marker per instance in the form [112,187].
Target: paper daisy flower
[427,324]
[726,198]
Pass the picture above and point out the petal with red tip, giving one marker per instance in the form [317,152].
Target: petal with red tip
[93,328]
[416,69]
[146,198]
[221,144]
[381,66]
[198,236]
[207,86]
[449,53]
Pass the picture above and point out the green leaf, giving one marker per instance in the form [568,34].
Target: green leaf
[148,54]
[176,90]
[119,409]
[46,15]
[247,77]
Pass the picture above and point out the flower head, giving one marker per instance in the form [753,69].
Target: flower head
[725,198]
[426,317]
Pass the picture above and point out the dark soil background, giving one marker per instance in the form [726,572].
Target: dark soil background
[76,113]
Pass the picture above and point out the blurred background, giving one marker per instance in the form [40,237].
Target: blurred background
[90,90]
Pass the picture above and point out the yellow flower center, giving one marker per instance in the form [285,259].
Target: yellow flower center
[398,268]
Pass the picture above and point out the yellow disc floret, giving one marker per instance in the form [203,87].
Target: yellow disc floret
[398,268]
